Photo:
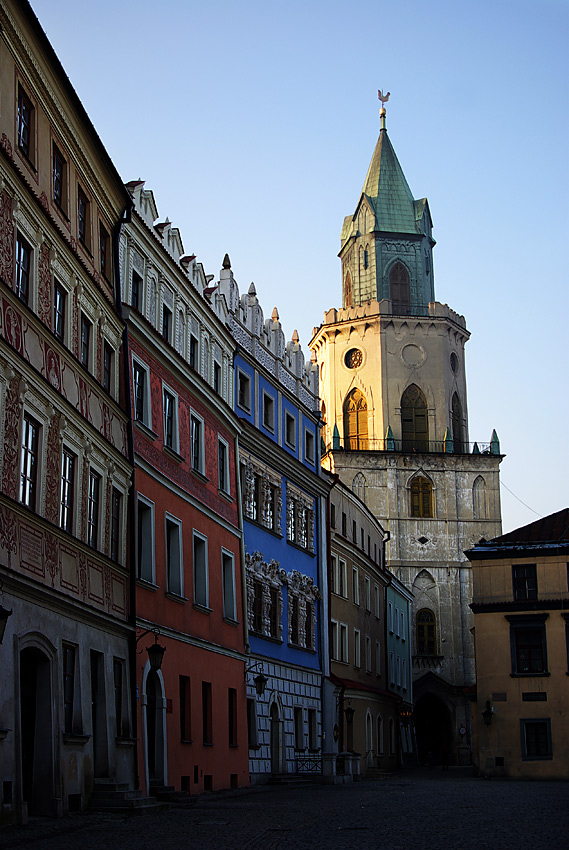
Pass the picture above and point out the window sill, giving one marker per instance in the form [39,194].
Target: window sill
[529,675]
[208,743]
[230,621]
[149,585]
[264,527]
[172,453]
[199,474]
[233,746]
[225,495]
[85,246]
[310,552]
[266,637]
[186,740]
[61,211]
[27,160]
[124,741]
[144,429]
[75,738]
[203,608]
[175,597]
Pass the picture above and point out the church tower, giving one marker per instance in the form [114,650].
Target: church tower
[394,408]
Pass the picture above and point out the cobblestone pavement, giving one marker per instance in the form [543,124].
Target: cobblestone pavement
[414,809]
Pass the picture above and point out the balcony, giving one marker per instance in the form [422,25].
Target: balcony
[390,444]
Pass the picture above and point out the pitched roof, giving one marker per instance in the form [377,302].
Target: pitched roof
[550,529]
[388,191]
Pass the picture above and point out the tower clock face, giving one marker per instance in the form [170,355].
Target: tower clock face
[353,358]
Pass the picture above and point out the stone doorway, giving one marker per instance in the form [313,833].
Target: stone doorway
[277,759]
[37,731]
[155,729]
[434,729]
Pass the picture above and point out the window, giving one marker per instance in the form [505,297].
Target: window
[334,639]
[377,658]
[426,632]
[29,462]
[232,716]
[141,393]
[368,654]
[525,582]
[397,621]
[93,508]
[228,581]
[298,729]
[536,739]
[379,724]
[457,424]
[299,519]
[294,631]
[258,607]
[402,624]
[136,292]
[116,513]
[104,251]
[343,579]
[357,648]
[377,601]
[68,653]
[344,525]
[85,341]
[268,411]
[26,115]
[334,574]
[414,420]
[207,726]
[355,421]
[421,497]
[391,668]
[274,612]
[312,730]
[197,442]
[390,616]
[252,735]
[121,708]
[193,352]
[201,578]
[480,498]
[367,585]
[59,305]
[528,644]
[166,323]
[108,358]
[145,540]
[309,626]
[404,673]
[174,568]
[399,289]
[243,391]
[309,446]
[185,709]
[343,643]
[333,515]
[290,430]
[355,586]
[354,531]
[170,408]
[67,502]
[216,377]
[23,268]
[83,218]
[362,538]
[223,465]
[398,666]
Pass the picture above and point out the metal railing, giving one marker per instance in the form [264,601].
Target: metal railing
[307,764]
[387,444]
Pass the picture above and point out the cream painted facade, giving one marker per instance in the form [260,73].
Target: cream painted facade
[394,405]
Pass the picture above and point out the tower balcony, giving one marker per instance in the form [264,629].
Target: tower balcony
[409,446]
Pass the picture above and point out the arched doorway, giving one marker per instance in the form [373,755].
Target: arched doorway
[276,740]
[433,726]
[369,740]
[37,731]
[154,729]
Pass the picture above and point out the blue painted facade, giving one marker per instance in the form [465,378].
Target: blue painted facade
[283,496]
[399,662]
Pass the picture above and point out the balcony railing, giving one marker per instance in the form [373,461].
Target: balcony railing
[309,764]
[389,444]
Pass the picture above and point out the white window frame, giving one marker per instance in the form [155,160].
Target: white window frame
[334,635]
[344,643]
[355,585]
[146,405]
[147,547]
[367,587]
[309,446]
[397,634]
[270,399]
[357,648]
[377,658]
[166,389]
[334,574]
[377,601]
[368,653]
[343,578]
[224,485]
[228,585]
[199,467]
[196,535]
[101,507]
[390,616]
[248,381]
[174,584]
[72,451]
[402,619]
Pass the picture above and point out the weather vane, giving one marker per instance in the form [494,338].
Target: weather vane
[383,97]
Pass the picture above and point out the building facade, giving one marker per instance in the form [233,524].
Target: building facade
[283,503]
[362,714]
[394,402]
[66,710]
[521,635]
[399,666]
[191,712]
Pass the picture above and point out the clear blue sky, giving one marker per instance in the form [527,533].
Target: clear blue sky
[254,124]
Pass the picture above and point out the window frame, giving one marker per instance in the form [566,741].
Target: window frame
[200,593]
[94,506]
[523,628]
[86,344]
[170,419]
[243,390]
[145,548]
[25,126]
[61,202]
[268,407]
[23,275]
[108,367]
[115,537]
[229,600]
[535,721]
[198,465]
[290,429]
[83,218]
[357,648]
[355,586]
[30,459]
[174,555]
[223,477]
[67,492]
[524,585]
[144,371]
[309,446]
[105,258]
[60,296]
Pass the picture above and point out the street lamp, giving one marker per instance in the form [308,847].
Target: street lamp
[487,713]
[155,651]
[349,712]
[260,679]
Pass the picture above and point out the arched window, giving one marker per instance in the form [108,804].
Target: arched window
[355,421]
[426,632]
[399,289]
[421,497]
[457,424]
[359,486]
[480,499]
[414,420]
[392,742]
[323,423]
[379,726]
[348,295]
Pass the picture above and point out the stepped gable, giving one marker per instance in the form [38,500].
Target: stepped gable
[265,339]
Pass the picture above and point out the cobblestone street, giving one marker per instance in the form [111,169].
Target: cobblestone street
[415,809]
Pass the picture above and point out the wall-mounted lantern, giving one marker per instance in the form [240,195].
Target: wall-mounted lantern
[260,680]
[349,712]
[155,651]
[487,713]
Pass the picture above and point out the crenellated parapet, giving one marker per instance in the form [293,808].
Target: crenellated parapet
[264,339]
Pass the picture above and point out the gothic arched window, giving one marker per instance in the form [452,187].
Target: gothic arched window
[457,429]
[414,420]
[359,486]
[480,499]
[348,295]
[421,497]
[355,421]
[323,423]
[426,632]
[399,289]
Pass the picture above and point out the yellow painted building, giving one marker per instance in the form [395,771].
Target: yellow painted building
[521,635]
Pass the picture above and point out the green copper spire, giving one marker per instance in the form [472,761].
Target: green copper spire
[388,191]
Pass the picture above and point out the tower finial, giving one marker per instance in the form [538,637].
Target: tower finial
[384,98]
